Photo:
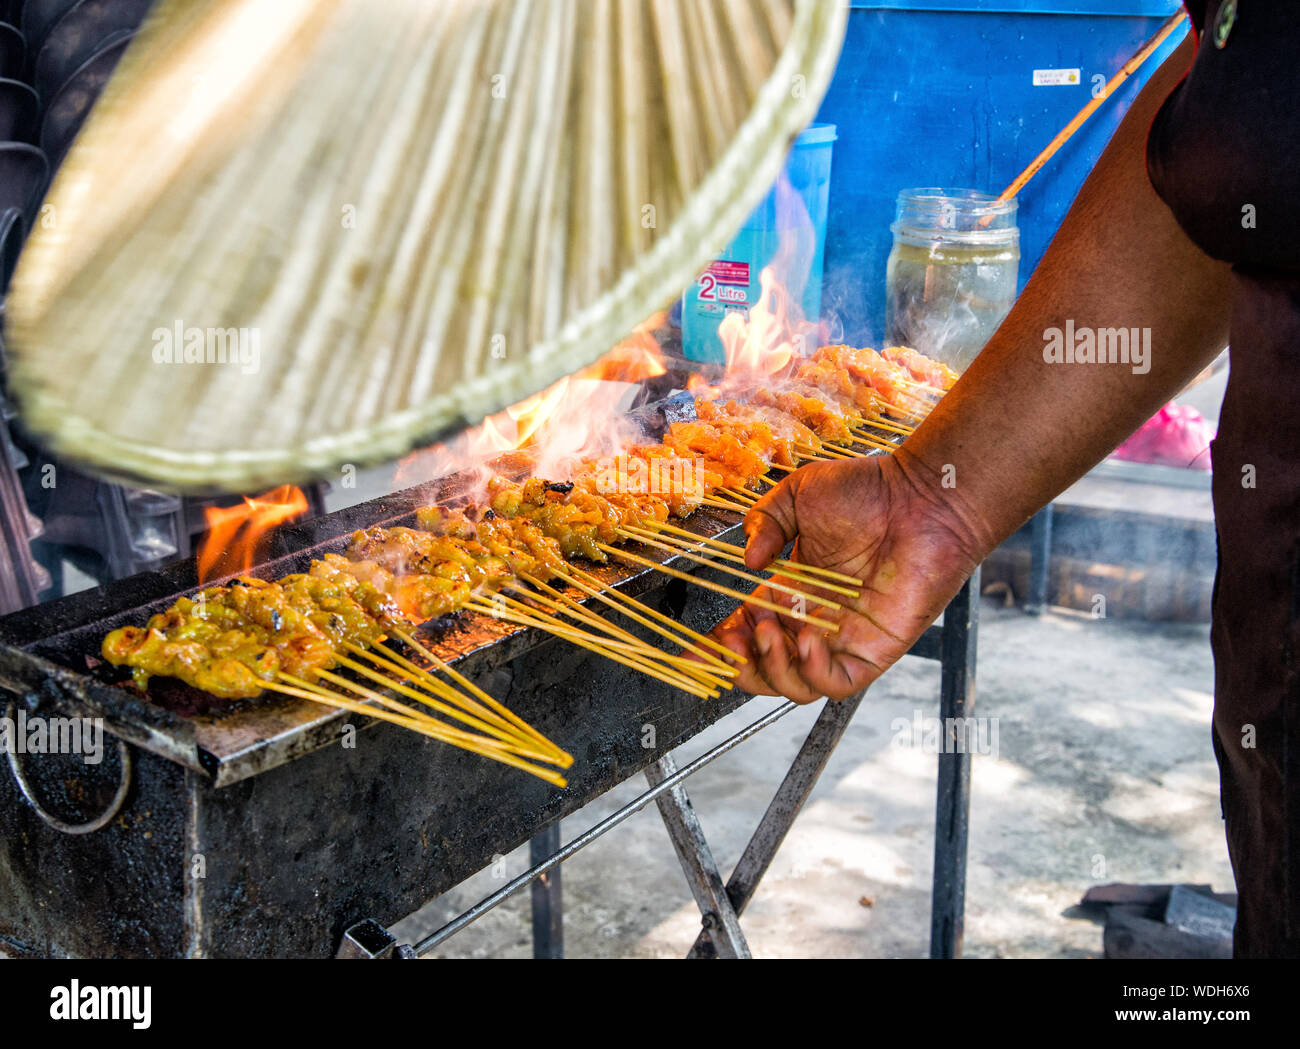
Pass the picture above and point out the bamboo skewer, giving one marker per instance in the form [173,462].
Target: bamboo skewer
[921,407]
[878,443]
[304,689]
[772,606]
[630,655]
[783,562]
[675,665]
[468,685]
[880,423]
[838,454]
[449,732]
[904,417]
[401,708]
[605,649]
[880,419]
[720,504]
[738,558]
[749,577]
[907,403]
[846,451]
[703,639]
[620,638]
[717,665]
[521,746]
[428,681]
[922,389]
[711,659]
[414,724]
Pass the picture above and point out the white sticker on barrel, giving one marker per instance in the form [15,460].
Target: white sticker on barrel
[1057,77]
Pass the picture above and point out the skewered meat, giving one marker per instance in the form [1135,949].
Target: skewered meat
[844,383]
[825,420]
[739,464]
[780,435]
[867,366]
[579,519]
[232,640]
[651,470]
[229,640]
[923,369]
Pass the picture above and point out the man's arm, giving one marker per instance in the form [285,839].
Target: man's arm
[1013,433]
[1017,429]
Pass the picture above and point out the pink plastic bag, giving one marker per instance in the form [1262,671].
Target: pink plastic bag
[1177,435]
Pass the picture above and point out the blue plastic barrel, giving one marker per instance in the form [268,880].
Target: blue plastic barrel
[943,93]
[792,217]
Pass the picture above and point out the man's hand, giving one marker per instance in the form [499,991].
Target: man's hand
[877,520]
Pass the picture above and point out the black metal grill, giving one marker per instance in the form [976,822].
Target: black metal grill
[249,828]
[294,835]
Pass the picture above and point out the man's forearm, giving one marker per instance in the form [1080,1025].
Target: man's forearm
[1019,428]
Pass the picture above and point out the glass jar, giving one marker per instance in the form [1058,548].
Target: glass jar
[952,274]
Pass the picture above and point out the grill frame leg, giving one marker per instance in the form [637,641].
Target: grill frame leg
[952,806]
[547,896]
[789,799]
[1040,560]
[720,920]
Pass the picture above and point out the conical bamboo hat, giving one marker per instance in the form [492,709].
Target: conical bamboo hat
[388,217]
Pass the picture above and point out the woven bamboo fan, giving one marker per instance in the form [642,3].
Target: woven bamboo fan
[388,219]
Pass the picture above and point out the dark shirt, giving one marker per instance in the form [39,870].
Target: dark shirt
[1224,154]
[1225,150]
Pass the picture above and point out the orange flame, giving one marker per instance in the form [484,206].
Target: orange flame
[493,439]
[236,533]
[533,413]
[636,358]
[764,345]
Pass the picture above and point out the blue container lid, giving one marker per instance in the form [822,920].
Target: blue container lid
[816,135]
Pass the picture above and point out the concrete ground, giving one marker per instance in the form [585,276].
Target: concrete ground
[1103,772]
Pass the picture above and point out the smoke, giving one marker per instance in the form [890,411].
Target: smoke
[797,246]
[548,434]
[943,335]
[847,311]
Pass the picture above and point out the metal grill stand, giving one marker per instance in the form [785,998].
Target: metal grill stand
[250,831]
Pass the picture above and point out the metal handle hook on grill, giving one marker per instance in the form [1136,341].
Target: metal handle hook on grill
[29,792]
